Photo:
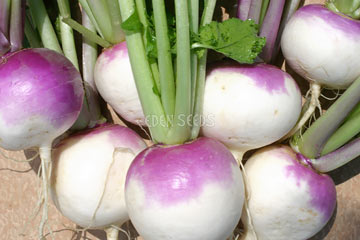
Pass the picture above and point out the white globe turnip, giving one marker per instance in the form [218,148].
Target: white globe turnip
[288,199]
[115,82]
[321,46]
[89,174]
[249,106]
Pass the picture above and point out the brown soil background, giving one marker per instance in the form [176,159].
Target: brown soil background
[18,197]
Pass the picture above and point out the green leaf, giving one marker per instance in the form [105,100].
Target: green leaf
[234,38]
[132,24]
[150,44]
[150,35]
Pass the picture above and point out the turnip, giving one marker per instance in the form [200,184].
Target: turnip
[249,106]
[185,192]
[89,174]
[289,199]
[115,82]
[322,47]
[40,98]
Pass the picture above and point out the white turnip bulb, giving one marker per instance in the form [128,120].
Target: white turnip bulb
[249,106]
[115,83]
[287,198]
[89,174]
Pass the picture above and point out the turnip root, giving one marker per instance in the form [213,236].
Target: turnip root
[41,96]
[89,174]
[288,199]
[322,46]
[249,106]
[185,192]
[115,82]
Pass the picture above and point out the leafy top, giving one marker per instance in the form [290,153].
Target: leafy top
[234,38]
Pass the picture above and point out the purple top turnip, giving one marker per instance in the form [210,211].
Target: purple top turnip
[288,199]
[189,191]
[41,95]
[323,46]
[115,82]
[249,106]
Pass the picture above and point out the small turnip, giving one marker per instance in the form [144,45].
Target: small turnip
[288,199]
[40,98]
[249,106]
[322,47]
[115,82]
[89,174]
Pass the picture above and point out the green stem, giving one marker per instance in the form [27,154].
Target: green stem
[264,8]
[201,74]
[181,131]
[67,34]
[141,9]
[4,17]
[86,33]
[102,16]
[337,158]
[31,34]
[208,12]
[290,7]
[348,7]
[199,100]
[43,24]
[254,11]
[354,113]
[89,52]
[314,139]
[269,29]
[150,101]
[194,27]
[16,25]
[88,11]
[349,129]
[89,56]
[114,10]
[167,82]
